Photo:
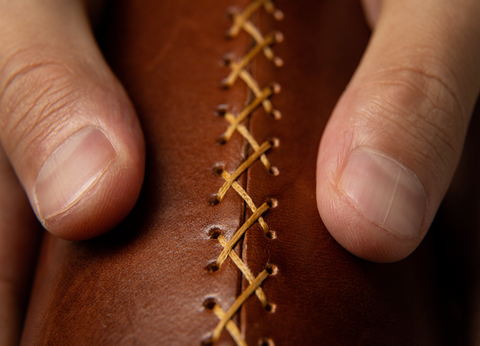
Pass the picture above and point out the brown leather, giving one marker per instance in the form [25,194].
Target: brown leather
[146,281]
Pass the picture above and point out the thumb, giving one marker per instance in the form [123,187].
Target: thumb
[394,139]
[66,124]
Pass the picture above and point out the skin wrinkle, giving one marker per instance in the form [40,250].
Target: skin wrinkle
[421,135]
[400,70]
[431,110]
[25,70]
[391,117]
[41,137]
[20,120]
[24,74]
[49,102]
[427,97]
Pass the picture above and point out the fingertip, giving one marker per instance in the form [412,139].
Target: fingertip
[371,204]
[357,234]
[68,128]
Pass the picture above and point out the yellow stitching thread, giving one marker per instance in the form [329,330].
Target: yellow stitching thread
[248,200]
[242,168]
[238,303]
[241,21]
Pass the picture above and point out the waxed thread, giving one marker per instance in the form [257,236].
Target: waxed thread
[262,98]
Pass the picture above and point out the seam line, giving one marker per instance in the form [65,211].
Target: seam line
[261,98]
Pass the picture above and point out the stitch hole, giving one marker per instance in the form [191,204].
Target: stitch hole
[232,11]
[221,110]
[215,233]
[270,307]
[214,200]
[266,342]
[271,234]
[224,84]
[207,342]
[278,36]
[277,61]
[209,303]
[274,171]
[276,88]
[222,140]
[274,141]
[272,202]
[276,114]
[271,269]
[228,58]
[218,169]
[278,15]
[212,267]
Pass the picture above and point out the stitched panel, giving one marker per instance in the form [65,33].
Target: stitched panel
[255,152]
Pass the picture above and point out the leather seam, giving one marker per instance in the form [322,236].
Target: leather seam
[261,98]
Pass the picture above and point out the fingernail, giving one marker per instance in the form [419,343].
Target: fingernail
[70,171]
[385,192]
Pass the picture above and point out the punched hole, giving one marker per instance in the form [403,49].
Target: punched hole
[221,140]
[275,142]
[270,307]
[272,202]
[271,269]
[276,88]
[207,342]
[215,233]
[265,342]
[271,234]
[232,11]
[209,303]
[276,114]
[274,171]
[221,110]
[278,36]
[228,58]
[212,267]
[213,199]
[277,61]
[278,15]
[218,169]
[224,84]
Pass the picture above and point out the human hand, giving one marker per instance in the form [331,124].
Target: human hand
[70,133]
[395,137]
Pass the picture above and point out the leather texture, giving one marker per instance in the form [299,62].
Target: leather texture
[145,282]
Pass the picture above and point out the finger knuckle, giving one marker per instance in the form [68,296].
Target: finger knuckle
[35,98]
[422,110]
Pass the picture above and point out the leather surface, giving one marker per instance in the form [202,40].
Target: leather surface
[145,282]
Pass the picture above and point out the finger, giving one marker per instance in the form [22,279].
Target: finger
[19,239]
[66,124]
[394,139]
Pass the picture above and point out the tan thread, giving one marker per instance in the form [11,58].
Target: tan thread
[231,327]
[238,303]
[248,200]
[245,270]
[239,66]
[262,44]
[242,168]
[250,221]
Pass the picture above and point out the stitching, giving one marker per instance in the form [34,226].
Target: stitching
[262,97]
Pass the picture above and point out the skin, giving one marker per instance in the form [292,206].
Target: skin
[411,98]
